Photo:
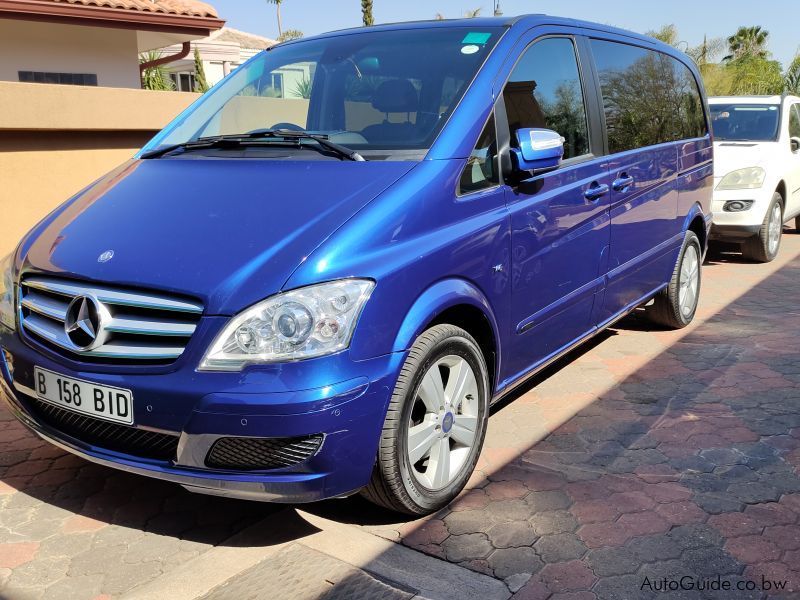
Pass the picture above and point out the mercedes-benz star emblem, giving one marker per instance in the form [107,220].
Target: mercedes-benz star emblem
[84,322]
[105,256]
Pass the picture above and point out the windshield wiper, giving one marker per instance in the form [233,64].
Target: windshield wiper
[257,138]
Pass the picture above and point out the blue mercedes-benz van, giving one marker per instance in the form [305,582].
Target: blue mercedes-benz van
[320,276]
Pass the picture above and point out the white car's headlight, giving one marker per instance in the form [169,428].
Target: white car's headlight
[303,323]
[743,179]
[7,316]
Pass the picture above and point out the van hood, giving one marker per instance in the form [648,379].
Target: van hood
[730,156]
[227,231]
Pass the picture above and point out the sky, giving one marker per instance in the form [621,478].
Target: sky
[694,18]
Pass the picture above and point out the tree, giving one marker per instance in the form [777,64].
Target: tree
[366,12]
[792,77]
[155,78]
[748,42]
[277,4]
[200,82]
[667,34]
[290,34]
[706,52]
[755,75]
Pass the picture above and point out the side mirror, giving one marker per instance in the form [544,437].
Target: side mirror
[537,150]
[795,143]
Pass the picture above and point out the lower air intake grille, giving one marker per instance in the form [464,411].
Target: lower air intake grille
[249,454]
[111,436]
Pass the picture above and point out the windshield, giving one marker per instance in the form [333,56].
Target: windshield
[745,122]
[384,91]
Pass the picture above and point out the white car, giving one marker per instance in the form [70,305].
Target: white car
[756,171]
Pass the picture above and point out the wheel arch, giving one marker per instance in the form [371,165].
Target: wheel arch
[782,190]
[696,223]
[456,302]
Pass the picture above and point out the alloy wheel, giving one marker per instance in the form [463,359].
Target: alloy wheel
[443,422]
[689,281]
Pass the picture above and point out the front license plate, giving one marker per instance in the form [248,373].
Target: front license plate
[100,401]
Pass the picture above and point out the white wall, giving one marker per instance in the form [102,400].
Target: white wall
[112,54]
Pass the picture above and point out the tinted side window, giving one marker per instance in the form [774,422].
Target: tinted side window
[691,122]
[481,170]
[545,91]
[649,98]
[794,121]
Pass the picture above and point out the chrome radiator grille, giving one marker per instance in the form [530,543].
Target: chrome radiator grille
[106,324]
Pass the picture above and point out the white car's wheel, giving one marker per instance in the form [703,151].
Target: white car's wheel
[764,246]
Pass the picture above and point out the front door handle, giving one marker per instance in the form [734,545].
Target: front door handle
[595,191]
[622,183]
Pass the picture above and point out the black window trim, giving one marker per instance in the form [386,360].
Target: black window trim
[612,38]
[497,159]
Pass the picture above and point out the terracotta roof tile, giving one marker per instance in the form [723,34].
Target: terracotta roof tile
[191,8]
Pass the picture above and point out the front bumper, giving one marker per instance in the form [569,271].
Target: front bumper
[740,225]
[203,407]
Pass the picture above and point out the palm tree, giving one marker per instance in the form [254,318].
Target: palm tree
[155,78]
[792,77]
[277,4]
[290,34]
[366,12]
[748,42]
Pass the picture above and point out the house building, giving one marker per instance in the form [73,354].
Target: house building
[94,42]
[221,53]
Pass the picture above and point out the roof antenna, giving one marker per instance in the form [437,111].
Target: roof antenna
[498,12]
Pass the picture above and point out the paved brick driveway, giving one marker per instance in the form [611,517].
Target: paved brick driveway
[650,454]
[647,454]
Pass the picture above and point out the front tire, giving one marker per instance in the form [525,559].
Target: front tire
[764,246]
[675,305]
[435,425]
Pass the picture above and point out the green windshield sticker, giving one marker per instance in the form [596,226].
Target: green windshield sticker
[476,37]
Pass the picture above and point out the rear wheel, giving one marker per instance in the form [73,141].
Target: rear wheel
[764,246]
[435,425]
[675,305]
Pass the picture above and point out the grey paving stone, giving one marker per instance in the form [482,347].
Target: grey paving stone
[470,546]
[508,562]
[560,547]
[554,521]
[653,548]
[467,521]
[512,534]
[550,500]
[612,561]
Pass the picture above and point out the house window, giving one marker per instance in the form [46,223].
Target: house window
[184,82]
[58,78]
[277,84]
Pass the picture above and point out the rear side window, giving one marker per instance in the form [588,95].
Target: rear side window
[649,98]
[794,121]
[545,91]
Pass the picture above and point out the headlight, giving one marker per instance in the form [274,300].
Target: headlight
[7,316]
[743,179]
[303,323]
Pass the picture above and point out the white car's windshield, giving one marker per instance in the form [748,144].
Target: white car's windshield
[745,122]
[385,91]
